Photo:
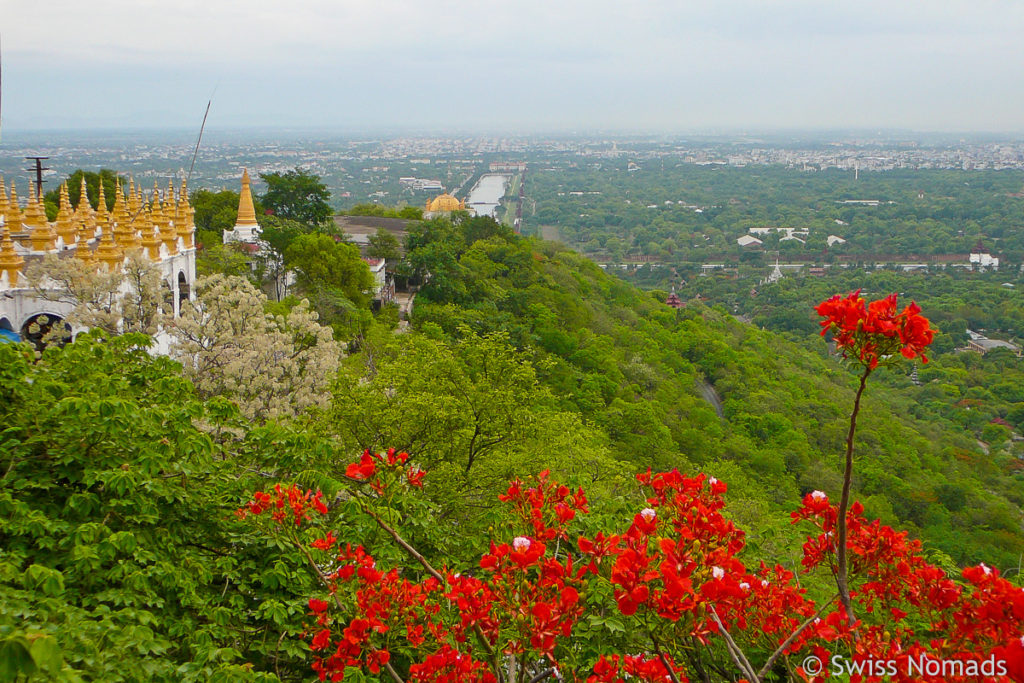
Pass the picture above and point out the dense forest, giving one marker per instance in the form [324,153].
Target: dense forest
[122,556]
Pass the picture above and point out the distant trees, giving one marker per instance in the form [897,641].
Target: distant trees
[407,212]
[297,195]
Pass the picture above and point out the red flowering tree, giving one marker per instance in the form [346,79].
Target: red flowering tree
[870,335]
[668,594]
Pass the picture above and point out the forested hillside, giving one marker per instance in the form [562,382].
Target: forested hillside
[632,366]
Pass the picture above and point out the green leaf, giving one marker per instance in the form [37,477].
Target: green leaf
[46,653]
[49,581]
[15,658]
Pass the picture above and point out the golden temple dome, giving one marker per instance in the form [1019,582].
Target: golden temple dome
[445,202]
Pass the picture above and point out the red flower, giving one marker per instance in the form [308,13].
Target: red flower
[415,477]
[362,470]
[318,606]
[321,640]
[526,552]
[875,331]
[376,660]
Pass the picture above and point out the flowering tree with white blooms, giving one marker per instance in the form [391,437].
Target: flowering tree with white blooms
[271,366]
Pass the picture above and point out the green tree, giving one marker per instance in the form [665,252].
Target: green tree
[386,246]
[215,211]
[335,279]
[297,195]
[276,234]
[92,188]
[119,545]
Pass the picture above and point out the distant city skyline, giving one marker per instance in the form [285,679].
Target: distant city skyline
[517,68]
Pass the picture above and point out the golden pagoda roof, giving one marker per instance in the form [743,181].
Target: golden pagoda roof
[160,225]
[10,261]
[445,202]
[246,210]
[14,215]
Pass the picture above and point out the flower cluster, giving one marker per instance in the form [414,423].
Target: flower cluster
[678,562]
[381,470]
[875,331]
[284,501]
[619,669]
[903,595]
[547,508]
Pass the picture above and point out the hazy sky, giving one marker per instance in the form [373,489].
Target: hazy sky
[515,66]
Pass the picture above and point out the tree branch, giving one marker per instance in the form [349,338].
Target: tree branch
[664,660]
[415,554]
[789,641]
[737,654]
[842,572]
[394,674]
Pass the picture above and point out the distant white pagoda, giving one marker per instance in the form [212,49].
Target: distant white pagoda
[775,276]
[246,228]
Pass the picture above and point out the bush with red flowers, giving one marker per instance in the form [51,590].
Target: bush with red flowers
[676,579]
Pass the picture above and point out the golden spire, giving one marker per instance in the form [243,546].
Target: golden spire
[86,229]
[83,212]
[168,235]
[101,208]
[120,207]
[126,235]
[134,197]
[186,227]
[4,203]
[10,261]
[41,234]
[156,208]
[150,242]
[246,210]
[123,230]
[108,252]
[65,226]
[14,216]
[85,233]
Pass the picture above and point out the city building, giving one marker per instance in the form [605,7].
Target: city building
[383,286]
[982,259]
[982,344]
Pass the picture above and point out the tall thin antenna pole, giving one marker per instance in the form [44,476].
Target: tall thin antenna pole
[199,139]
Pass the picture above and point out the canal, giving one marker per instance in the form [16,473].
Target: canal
[487,193]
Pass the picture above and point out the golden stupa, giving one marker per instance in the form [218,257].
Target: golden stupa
[246,209]
[445,203]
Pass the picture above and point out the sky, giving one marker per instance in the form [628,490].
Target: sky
[515,67]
